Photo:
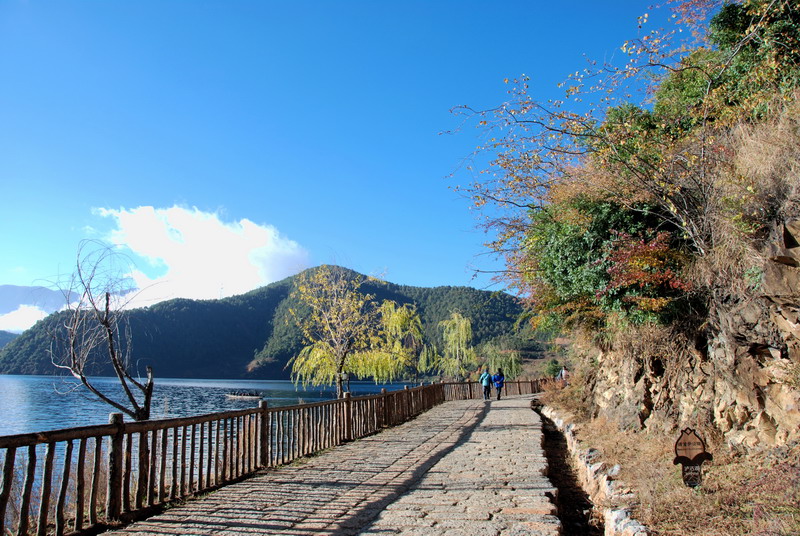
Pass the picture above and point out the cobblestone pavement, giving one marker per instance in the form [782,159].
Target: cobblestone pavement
[466,467]
[491,483]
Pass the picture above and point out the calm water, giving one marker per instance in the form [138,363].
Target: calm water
[39,403]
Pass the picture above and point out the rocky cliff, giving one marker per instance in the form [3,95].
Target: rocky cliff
[737,379]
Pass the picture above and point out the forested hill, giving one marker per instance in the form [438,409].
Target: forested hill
[252,335]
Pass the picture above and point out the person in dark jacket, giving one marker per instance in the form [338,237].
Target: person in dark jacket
[486,381]
[499,380]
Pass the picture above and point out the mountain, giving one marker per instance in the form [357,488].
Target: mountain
[6,337]
[23,306]
[14,296]
[253,335]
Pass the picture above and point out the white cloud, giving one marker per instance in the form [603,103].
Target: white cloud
[197,255]
[22,318]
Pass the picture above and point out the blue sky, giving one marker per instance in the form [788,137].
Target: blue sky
[232,143]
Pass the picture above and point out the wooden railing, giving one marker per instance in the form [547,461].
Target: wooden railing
[78,478]
[472,390]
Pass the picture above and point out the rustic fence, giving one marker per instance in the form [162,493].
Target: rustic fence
[70,480]
[471,390]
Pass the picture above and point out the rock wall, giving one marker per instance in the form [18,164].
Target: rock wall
[738,381]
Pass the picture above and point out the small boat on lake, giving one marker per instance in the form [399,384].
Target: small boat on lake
[248,395]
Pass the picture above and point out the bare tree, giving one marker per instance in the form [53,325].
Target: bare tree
[95,331]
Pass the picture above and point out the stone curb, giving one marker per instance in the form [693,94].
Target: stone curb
[599,481]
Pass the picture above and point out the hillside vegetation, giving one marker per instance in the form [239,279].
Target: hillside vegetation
[663,232]
[253,335]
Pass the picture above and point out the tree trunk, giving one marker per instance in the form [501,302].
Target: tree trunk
[148,396]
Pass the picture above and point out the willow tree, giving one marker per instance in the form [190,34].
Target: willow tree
[459,356]
[429,360]
[347,331]
[94,331]
[403,328]
[507,359]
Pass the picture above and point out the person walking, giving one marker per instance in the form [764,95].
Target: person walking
[486,381]
[499,380]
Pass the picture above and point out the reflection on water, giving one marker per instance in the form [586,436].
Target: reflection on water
[38,403]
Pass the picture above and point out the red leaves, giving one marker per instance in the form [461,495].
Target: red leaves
[648,267]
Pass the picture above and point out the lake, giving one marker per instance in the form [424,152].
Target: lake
[39,403]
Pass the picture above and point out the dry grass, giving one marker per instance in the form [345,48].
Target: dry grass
[767,157]
[755,187]
[568,397]
[740,495]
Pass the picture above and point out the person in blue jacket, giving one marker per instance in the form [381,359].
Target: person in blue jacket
[486,381]
[499,380]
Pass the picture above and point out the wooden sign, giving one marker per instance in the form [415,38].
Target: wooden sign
[690,452]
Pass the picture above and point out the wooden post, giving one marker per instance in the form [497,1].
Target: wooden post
[326,424]
[271,430]
[184,440]
[25,503]
[115,458]
[80,486]
[95,489]
[44,502]
[190,489]
[127,473]
[152,482]
[348,417]
[294,436]
[406,404]
[200,460]
[238,453]
[213,453]
[8,475]
[162,478]
[224,440]
[384,409]
[309,431]
[281,454]
[317,425]
[62,494]
[262,434]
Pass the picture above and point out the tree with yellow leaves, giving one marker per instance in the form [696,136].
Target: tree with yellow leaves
[349,332]
[459,355]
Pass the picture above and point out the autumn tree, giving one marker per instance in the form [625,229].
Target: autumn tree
[347,331]
[663,162]
[94,330]
[459,356]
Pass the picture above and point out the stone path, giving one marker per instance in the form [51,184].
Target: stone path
[492,483]
[467,467]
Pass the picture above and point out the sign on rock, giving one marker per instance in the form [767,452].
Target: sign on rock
[690,452]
